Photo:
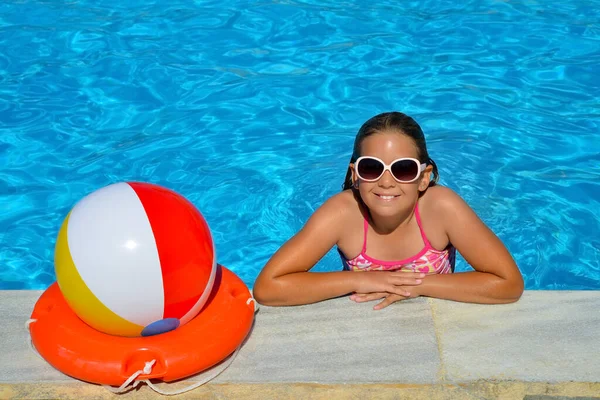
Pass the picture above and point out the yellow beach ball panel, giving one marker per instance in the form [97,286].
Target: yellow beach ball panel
[80,298]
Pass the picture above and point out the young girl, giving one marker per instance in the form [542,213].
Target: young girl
[396,228]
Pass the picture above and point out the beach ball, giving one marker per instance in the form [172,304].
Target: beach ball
[135,259]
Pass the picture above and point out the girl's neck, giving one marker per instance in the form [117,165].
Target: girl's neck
[385,225]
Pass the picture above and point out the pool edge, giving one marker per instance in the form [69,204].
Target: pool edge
[557,368]
[471,390]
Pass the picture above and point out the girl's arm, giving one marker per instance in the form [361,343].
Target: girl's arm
[285,279]
[496,278]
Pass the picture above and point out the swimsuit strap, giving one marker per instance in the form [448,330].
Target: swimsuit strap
[364,248]
[418,216]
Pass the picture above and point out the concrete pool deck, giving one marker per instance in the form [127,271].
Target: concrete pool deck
[544,347]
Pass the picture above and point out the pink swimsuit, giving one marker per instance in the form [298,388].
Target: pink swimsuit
[428,260]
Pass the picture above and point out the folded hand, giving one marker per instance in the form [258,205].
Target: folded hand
[388,282]
[388,298]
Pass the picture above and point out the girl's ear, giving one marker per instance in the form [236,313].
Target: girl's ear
[354,177]
[426,178]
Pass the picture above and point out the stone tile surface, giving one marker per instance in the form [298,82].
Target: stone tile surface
[547,336]
[18,362]
[339,341]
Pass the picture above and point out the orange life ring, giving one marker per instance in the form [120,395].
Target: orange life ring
[82,352]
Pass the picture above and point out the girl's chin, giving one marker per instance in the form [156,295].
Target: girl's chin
[385,209]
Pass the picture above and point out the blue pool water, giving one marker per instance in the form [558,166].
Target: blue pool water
[250,109]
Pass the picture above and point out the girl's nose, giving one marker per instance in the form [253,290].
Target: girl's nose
[387,180]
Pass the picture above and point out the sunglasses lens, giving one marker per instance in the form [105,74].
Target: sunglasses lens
[369,169]
[405,170]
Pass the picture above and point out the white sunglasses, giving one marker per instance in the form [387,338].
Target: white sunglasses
[404,170]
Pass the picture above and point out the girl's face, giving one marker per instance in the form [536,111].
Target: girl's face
[387,196]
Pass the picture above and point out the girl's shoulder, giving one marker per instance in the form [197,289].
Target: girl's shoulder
[334,216]
[438,193]
[344,202]
[441,200]
[341,207]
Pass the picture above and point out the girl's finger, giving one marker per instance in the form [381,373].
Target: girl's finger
[398,290]
[382,294]
[364,299]
[407,278]
[359,298]
[409,281]
[386,302]
[409,275]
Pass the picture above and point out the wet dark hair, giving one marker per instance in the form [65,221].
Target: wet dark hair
[392,121]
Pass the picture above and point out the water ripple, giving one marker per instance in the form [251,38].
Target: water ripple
[250,110]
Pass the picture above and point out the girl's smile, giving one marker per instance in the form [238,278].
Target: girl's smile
[387,197]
